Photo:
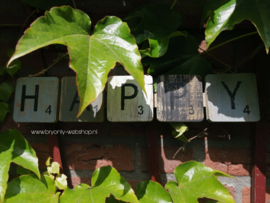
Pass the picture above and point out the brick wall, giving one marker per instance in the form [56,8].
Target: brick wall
[227,147]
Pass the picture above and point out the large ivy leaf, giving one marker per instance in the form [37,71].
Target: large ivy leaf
[91,57]
[29,189]
[4,109]
[14,148]
[234,12]
[112,199]
[194,180]
[6,90]
[152,192]
[157,23]
[45,4]
[105,181]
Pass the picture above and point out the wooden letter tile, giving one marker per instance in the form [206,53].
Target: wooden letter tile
[36,100]
[232,98]
[69,104]
[179,98]
[127,102]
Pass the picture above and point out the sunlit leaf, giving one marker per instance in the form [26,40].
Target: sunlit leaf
[156,23]
[22,171]
[54,168]
[105,181]
[29,189]
[111,199]
[14,148]
[179,130]
[92,57]
[194,180]
[152,192]
[225,16]
[6,90]
[61,182]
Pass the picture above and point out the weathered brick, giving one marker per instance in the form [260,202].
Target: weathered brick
[42,151]
[92,156]
[267,195]
[246,195]
[133,183]
[229,160]
[166,162]
[78,180]
[231,190]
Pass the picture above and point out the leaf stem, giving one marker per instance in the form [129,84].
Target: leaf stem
[36,10]
[74,4]
[251,33]
[44,70]
[173,4]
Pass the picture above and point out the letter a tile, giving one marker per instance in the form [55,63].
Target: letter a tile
[36,100]
[126,102]
[70,102]
[232,98]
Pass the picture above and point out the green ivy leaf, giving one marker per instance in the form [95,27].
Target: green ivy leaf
[54,168]
[14,67]
[194,180]
[4,109]
[92,57]
[6,90]
[157,23]
[29,189]
[61,182]
[149,191]
[179,130]
[105,181]
[14,148]
[234,12]
[45,4]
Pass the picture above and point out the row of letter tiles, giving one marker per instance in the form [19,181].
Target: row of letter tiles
[228,98]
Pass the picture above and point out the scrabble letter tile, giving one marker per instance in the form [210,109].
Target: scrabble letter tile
[69,104]
[232,98]
[179,98]
[36,100]
[127,102]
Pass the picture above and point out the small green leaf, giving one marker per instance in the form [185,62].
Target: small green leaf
[14,67]
[29,189]
[194,180]
[10,52]
[22,171]
[92,57]
[149,191]
[6,90]
[157,23]
[48,162]
[14,148]
[54,168]
[4,109]
[179,130]
[61,182]
[45,4]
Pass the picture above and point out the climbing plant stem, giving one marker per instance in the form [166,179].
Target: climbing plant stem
[173,4]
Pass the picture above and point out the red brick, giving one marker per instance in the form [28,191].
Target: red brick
[239,169]
[229,160]
[42,151]
[246,195]
[267,196]
[128,129]
[77,180]
[231,190]
[133,183]
[166,162]
[92,156]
